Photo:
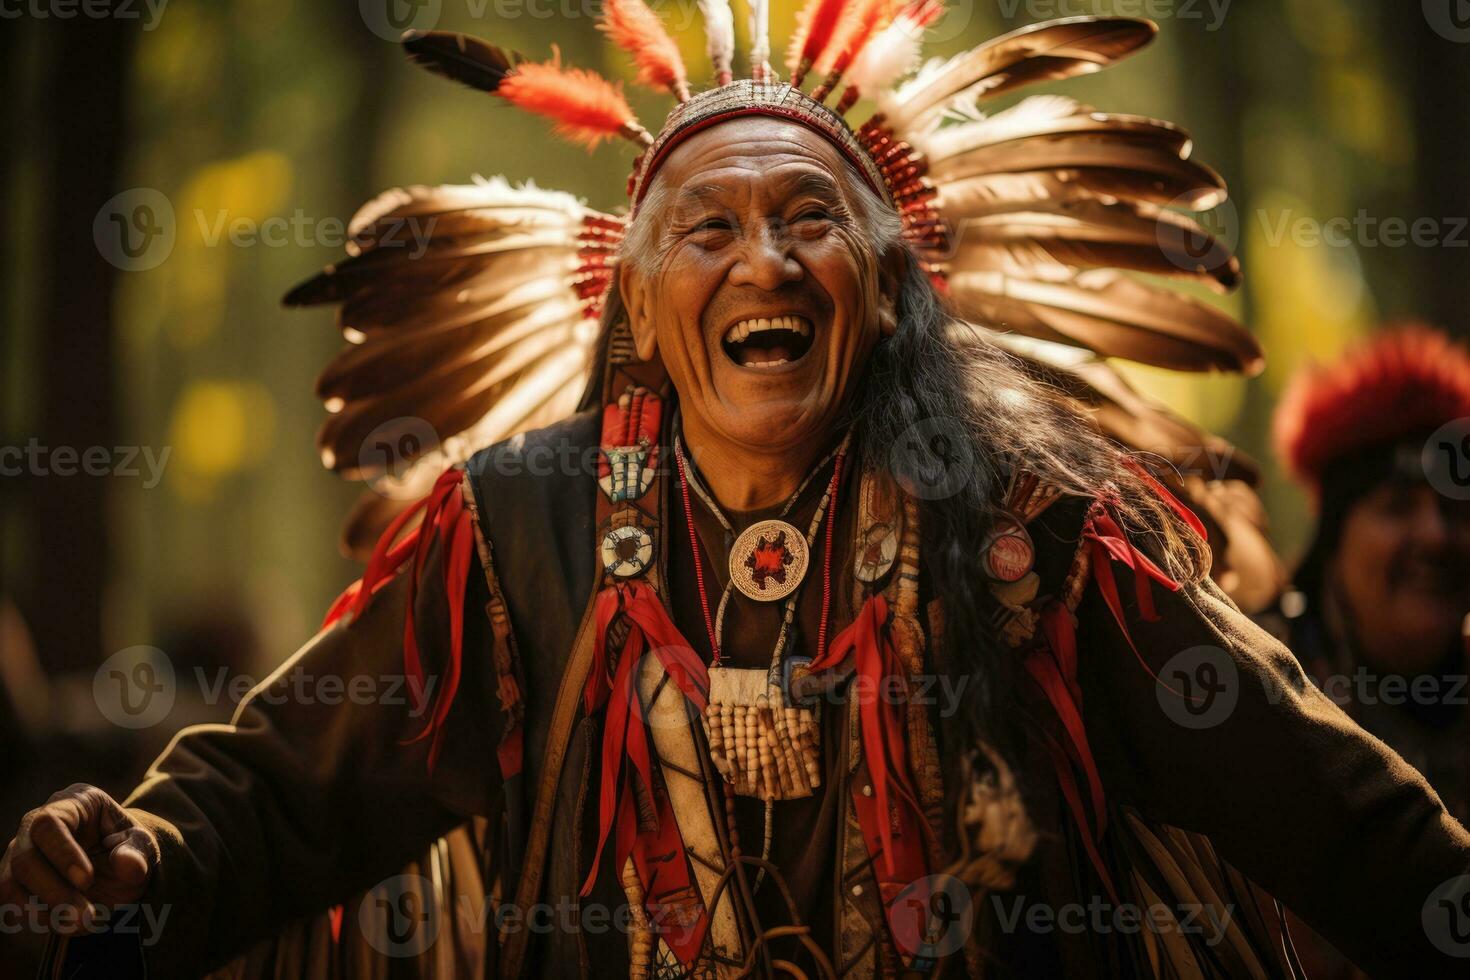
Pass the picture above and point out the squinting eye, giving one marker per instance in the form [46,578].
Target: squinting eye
[713,224]
[814,214]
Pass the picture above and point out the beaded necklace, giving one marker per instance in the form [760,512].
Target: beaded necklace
[763,746]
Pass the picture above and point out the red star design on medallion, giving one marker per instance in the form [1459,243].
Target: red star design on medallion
[769,560]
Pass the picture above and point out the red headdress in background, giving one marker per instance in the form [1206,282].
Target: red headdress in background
[1402,384]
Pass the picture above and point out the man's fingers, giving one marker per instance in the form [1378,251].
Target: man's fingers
[130,864]
[37,877]
[50,833]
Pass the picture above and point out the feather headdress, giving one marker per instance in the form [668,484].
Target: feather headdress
[1049,220]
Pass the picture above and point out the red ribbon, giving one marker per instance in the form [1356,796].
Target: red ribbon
[658,851]
[867,641]
[1108,543]
[1053,666]
[443,515]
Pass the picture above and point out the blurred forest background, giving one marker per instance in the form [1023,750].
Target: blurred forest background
[299,111]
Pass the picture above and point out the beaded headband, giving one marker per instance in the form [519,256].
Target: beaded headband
[749,97]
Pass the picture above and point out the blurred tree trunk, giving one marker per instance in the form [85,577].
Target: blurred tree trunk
[1440,122]
[81,93]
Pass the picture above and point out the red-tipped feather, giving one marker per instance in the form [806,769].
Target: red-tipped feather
[854,31]
[586,107]
[859,23]
[636,29]
[814,28]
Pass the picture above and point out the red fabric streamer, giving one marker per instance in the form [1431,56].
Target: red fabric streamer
[867,641]
[1186,515]
[1053,666]
[444,517]
[658,853]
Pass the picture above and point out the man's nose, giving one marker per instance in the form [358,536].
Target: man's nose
[765,261]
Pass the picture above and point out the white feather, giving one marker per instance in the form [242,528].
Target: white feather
[888,56]
[977,129]
[496,192]
[719,32]
[760,37]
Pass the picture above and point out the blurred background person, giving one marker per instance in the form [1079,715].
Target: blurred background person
[1377,615]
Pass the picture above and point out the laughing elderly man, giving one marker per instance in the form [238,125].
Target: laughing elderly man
[855,651]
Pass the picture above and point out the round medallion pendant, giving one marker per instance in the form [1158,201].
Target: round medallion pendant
[627,550]
[768,560]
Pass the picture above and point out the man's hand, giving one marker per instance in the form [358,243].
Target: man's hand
[80,848]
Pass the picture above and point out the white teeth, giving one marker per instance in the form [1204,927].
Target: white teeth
[766,364]
[745,328]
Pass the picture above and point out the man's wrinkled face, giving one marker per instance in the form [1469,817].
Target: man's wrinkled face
[763,296]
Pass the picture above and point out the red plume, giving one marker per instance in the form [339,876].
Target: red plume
[814,27]
[636,29]
[1400,384]
[586,107]
[852,35]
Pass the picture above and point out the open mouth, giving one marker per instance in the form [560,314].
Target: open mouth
[768,342]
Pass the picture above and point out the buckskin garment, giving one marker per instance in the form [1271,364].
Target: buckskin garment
[300,805]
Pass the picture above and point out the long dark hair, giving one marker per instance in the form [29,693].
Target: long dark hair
[940,377]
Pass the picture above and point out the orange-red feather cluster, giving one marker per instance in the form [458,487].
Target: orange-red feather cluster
[636,29]
[1399,384]
[586,107]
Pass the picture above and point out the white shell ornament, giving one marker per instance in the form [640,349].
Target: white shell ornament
[626,550]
